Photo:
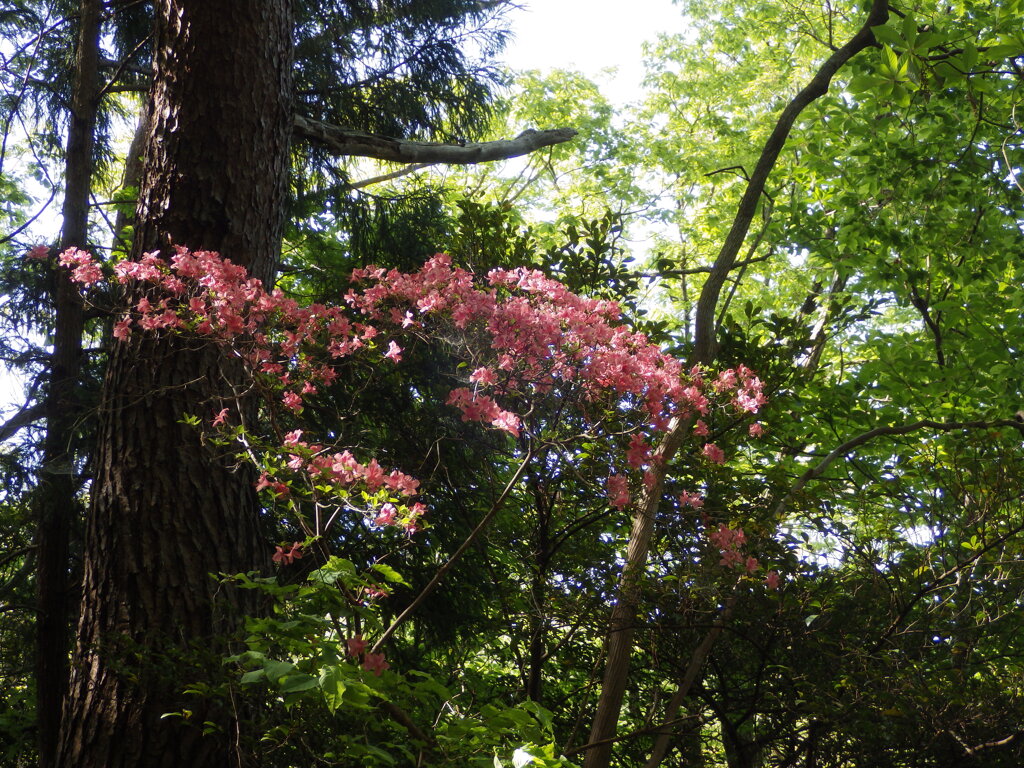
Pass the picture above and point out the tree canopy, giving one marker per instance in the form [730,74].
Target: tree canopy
[452,416]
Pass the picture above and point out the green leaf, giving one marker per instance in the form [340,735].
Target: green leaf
[296,683]
[389,573]
[333,683]
[275,670]
[255,676]
[887,35]
[861,83]
[890,61]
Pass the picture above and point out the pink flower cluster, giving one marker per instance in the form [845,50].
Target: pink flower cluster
[541,335]
[730,543]
[537,336]
[748,395]
[342,471]
[286,556]
[372,662]
[83,268]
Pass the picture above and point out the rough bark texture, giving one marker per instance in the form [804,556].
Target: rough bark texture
[167,510]
[57,506]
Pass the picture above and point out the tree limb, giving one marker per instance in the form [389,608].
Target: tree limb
[942,426]
[620,640]
[389,176]
[817,87]
[346,143]
[25,416]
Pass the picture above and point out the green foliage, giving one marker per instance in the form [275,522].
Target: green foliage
[302,663]
[880,287]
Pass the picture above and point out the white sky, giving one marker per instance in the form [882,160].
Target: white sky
[590,36]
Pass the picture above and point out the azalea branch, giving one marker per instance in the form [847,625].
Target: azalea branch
[348,143]
[432,584]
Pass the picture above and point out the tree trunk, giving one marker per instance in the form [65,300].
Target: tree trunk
[167,510]
[624,612]
[56,503]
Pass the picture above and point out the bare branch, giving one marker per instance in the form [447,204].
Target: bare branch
[389,176]
[429,588]
[345,143]
[23,418]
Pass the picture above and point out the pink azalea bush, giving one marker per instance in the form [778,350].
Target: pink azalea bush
[525,336]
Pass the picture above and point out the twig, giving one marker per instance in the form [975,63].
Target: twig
[432,584]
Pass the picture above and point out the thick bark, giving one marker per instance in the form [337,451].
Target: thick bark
[167,511]
[624,612]
[57,506]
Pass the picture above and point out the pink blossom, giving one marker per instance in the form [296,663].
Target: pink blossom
[285,557]
[355,645]
[507,421]
[221,417]
[713,453]
[293,438]
[292,401]
[375,593]
[755,429]
[276,487]
[83,269]
[123,329]
[386,516]
[394,352]
[772,580]
[692,500]
[618,491]
[374,662]
[700,428]
[402,483]
[483,376]
[38,253]
[639,452]
[373,475]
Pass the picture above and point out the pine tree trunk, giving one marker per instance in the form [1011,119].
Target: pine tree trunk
[167,510]
[56,503]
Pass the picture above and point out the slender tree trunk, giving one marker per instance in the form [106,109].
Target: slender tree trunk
[624,612]
[168,511]
[131,178]
[56,495]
